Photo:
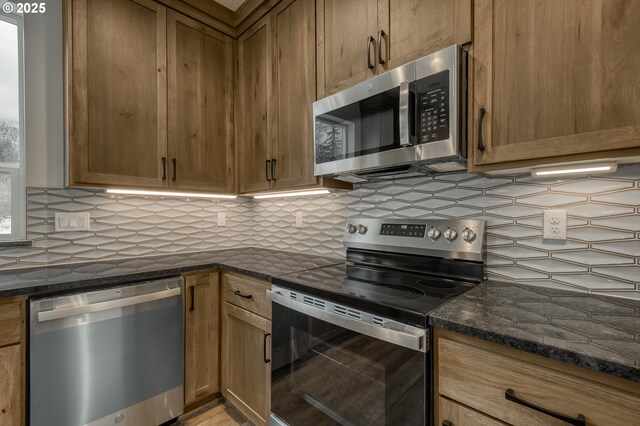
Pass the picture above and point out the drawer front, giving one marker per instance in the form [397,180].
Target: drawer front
[454,414]
[247,293]
[479,378]
[11,322]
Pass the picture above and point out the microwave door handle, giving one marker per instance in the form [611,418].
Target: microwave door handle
[405,95]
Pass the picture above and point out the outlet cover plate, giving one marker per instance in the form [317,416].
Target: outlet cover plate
[72,222]
[554,226]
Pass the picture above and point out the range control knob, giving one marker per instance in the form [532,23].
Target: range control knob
[450,234]
[362,229]
[468,235]
[352,229]
[434,233]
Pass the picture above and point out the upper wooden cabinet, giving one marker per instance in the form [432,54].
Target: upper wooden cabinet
[117,108]
[358,39]
[412,29]
[135,122]
[558,81]
[293,42]
[253,113]
[276,91]
[200,107]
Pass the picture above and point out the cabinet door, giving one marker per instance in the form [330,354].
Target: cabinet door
[343,28]
[200,106]
[254,108]
[558,80]
[246,364]
[11,386]
[293,33]
[202,334]
[118,85]
[415,28]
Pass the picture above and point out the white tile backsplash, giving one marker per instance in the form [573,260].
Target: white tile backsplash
[601,254]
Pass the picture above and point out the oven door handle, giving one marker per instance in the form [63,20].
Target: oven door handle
[390,331]
[404,121]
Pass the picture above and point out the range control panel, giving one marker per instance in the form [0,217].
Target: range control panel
[433,107]
[457,239]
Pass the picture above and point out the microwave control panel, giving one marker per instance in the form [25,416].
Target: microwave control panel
[432,94]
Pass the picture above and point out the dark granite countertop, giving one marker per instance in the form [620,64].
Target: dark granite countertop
[596,332]
[260,263]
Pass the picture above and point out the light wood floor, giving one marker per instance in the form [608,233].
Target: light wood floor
[215,414]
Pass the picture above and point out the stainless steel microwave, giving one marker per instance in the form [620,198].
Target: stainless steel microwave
[406,122]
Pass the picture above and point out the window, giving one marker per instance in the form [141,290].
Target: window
[12,178]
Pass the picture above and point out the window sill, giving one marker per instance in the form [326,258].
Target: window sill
[15,244]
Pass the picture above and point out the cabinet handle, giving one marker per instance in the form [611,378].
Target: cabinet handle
[576,421]
[481,112]
[264,349]
[164,168]
[369,63]
[239,293]
[273,169]
[192,305]
[175,169]
[381,35]
[267,166]
[447,423]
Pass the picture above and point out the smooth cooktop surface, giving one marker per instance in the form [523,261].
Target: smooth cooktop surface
[395,294]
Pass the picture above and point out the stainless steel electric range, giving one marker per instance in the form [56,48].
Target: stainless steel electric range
[351,343]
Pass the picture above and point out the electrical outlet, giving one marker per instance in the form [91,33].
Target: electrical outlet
[299,220]
[65,222]
[222,219]
[555,225]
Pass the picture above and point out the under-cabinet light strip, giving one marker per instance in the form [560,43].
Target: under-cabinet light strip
[292,194]
[575,169]
[169,194]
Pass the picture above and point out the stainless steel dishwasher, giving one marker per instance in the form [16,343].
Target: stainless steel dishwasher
[108,357]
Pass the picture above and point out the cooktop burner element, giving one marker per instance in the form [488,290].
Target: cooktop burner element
[374,275]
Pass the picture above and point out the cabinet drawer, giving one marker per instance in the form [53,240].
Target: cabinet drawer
[478,377]
[11,322]
[459,415]
[250,294]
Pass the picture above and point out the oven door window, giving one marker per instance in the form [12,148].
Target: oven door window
[323,374]
[365,127]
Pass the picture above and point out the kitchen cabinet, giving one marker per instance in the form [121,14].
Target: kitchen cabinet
[202,336]
[117,108]
[554,81]
[254,113]
[150,102]
[200,106]
[12,361]
[473,378]
[276,85]
[358,39]
[246,346]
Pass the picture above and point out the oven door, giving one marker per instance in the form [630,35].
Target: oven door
[330,368]
[367,126]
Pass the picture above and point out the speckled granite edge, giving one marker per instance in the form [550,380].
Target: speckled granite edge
[559,354]
[472,314]
[259,263]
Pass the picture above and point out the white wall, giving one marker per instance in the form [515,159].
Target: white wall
[44,100]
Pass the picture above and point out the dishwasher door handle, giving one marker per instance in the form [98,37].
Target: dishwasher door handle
[55,314]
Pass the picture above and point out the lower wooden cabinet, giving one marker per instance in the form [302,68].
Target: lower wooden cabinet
[202,337]
[476,376]
[454,414]
[11,395]
[246,363]
[12,361]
